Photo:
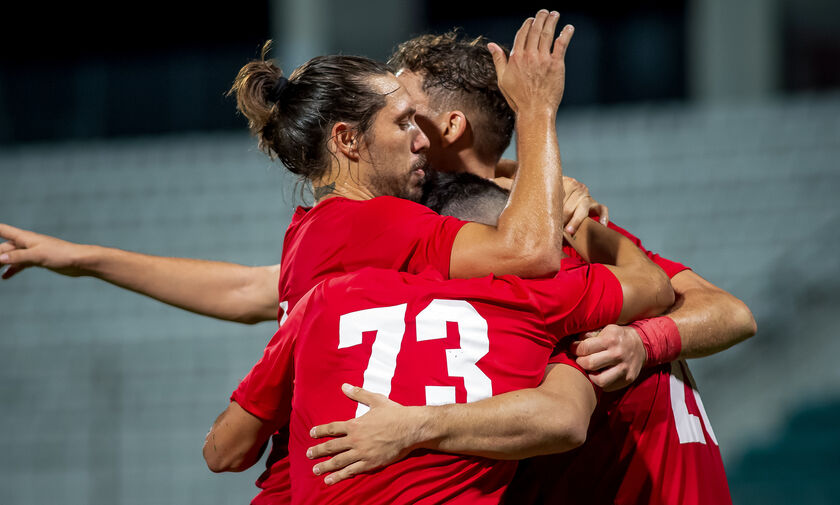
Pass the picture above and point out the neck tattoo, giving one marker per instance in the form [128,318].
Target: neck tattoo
[322,191]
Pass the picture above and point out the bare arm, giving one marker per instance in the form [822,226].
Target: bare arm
[236,440]
[553,417]
[646,288]
[528,238]
[708,318]
[212,288]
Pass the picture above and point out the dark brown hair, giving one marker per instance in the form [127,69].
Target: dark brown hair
[292,119]
[459,74]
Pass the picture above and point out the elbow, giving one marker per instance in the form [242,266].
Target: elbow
[540,261]
[662,293]
[569,432]
[220,461]
[746,321]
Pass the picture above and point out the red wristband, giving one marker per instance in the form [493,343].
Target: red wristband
[661,339]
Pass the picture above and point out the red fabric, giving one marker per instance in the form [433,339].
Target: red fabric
[671,268]
[661,339]
[634,453]
[340,235]
[510,316]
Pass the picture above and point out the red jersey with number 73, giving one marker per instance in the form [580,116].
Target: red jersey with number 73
[419,340]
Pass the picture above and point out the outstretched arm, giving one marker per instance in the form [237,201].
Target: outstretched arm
[212,288]
[550,418]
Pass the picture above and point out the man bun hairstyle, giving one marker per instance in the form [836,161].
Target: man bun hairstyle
[292,118]
[459,74]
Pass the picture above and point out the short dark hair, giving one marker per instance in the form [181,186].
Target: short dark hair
[459,74]
[292,118]
[465,196]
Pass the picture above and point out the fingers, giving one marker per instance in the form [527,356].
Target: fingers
[8,271]
[7,246]
[336,463]
[547,35]
[346,473]
[604,214]
[335,429]
[610,379]
[598,360]
[522,36]
[9,232]
[580,213]
[16,257]
[328,448]
[360,395]
[535,32]
[562,42]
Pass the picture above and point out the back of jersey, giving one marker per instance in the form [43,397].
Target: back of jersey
[650,444]
[419,341]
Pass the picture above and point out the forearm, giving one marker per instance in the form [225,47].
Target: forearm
[709,319]
[236,441]
[646,288]
[551,418]
[533,218]
[217,289]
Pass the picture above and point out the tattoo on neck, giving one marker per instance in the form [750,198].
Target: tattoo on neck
[322,191]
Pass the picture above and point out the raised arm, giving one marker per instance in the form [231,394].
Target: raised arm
[528,238]
[550,418]
[212,288]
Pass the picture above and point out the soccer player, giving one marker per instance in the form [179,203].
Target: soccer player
[391,331]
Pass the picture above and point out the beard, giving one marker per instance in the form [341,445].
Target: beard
[407,185]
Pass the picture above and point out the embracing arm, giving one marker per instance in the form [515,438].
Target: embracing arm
[212,288]
[550,418]
[528,238]
[703,320]
[709,319]
[645,287]
[236,440]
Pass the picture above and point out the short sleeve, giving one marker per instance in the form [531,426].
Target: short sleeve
[581,297]
[671,268]
[426,236]
[266,392]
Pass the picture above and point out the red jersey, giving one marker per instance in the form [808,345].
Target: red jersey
[421,341]
[340,235]
[650,443]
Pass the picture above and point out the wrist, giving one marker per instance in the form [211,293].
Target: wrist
[86,259]
[425,428]
[660,338]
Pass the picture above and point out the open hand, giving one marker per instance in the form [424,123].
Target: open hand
[381,436]
[24,249]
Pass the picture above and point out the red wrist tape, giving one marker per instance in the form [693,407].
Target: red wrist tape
[661,339]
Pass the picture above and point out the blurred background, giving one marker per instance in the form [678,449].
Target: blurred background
[711,129]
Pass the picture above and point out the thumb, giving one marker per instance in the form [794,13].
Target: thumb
[499,58]
[360,395]
[16,257]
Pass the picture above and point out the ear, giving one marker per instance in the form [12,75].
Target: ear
[345,140]
[456,125]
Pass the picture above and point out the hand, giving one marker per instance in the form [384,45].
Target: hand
[25,249]
[380,437]
[578,204]
[614,356]
[535,74]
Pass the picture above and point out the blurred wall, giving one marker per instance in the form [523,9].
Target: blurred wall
[107,396]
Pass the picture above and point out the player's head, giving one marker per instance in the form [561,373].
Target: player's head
[465,196]
[460,107]
[332,112]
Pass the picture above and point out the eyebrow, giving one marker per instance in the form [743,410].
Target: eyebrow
[407,113]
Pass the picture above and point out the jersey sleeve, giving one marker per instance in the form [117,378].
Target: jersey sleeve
[266,392]
[581,297]
[671,268]
[409,228]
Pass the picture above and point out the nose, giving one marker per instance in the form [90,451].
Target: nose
[421,142]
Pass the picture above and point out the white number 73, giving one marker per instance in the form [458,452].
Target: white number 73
[389,324]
